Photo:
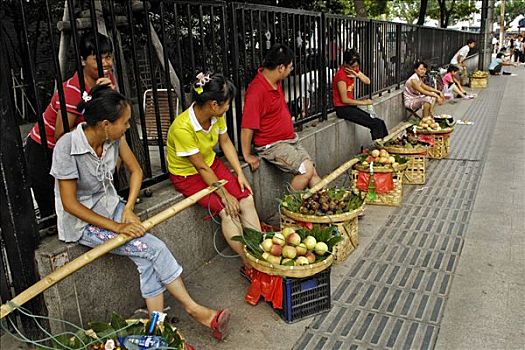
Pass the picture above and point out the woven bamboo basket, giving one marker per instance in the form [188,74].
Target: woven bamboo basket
[441,147]
[346,223]
[477,83]
[288,271]
[415,172]
[434,132]
[392,198]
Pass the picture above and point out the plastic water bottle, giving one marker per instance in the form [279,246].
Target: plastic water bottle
[371,111]
[144,342]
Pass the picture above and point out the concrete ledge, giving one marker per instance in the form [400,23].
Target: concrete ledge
[111,282]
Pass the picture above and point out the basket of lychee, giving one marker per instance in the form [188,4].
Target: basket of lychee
[380,161]
[292,252]
[408,142]
[429,125]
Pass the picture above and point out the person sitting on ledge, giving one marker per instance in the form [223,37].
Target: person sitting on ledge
[90,212]
[194,165]
[267,122]
[417,94]
[346,106]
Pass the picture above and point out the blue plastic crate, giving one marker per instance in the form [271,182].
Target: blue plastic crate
[305,297]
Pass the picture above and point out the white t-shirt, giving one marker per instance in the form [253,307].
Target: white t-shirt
[463,52]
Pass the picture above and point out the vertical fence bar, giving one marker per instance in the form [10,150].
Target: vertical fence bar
[151,60]
[190,39]
[116,46]
[184,103]
[323,76]
[167,78]
[58,73]
[94,26]
[138,90]
[203,42]
[398,55]
[371,44]
[234,28]
[73,23]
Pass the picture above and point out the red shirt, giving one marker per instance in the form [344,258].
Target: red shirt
[266,113]
[72,97]
[341,75]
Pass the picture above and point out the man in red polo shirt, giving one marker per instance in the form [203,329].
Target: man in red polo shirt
[267,122]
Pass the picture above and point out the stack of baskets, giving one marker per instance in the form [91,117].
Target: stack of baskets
[441,147]
[415,172]
[479,79]
[392,198]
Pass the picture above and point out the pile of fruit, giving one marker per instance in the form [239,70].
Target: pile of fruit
[407,140]
[429,124]
[480,74]
[291,247]
[324,202]
[381,158]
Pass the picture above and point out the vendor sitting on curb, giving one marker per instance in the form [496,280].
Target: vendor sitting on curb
[193,164]
[417,94]
[498,63]
[267,122]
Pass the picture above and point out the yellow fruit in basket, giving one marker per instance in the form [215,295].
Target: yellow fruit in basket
[276,250]
[391,160]
[272,259]
[375,153]
[293,239]
[288,262]
[266,245]
[383,160]
[287,231]
[289,252]
[365,163]
[310,242]
[278,239]
[265,255]
[383,153]
[395,164]
[434,125]
[424,125]
[310,257]
[321,248]
[300,261]
[301,249]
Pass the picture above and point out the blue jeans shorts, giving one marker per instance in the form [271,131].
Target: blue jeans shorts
[156,265]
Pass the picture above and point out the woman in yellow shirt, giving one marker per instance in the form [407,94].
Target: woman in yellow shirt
[193,164]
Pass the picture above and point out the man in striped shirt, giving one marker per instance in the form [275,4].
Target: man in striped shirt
[38,157]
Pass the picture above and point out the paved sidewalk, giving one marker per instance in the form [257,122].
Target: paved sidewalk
[445,270]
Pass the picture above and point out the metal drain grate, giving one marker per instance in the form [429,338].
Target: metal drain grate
[394,296]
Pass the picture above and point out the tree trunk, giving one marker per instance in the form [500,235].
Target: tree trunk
[442,13]
[360,8]
[422,12]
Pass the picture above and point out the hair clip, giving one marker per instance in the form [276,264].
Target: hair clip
[198,89]
[202,79]
[86,97]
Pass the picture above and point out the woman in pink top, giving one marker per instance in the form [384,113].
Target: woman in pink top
[451,84]
[417,94]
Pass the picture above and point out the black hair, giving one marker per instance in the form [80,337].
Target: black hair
[218,88]
[87,45]
[102,103]
[452,68]
[470,41]
[500,55]
[277,55]
[351,56]
[419,63]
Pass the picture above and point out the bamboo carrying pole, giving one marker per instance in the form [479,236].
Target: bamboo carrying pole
[330,177]
[100,250]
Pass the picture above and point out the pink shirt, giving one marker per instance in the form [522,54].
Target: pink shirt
[448,79]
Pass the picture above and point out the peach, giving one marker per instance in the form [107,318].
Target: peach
[301,249]
[293,239]
[278,239]
[276,250]
[289,252]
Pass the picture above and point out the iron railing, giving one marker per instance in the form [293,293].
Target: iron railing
[193,36]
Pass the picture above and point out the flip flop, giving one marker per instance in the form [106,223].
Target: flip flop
[219,324]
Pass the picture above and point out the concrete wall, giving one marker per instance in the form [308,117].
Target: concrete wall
[111,282]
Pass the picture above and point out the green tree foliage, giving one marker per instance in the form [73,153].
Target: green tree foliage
[513,8]
[446,11]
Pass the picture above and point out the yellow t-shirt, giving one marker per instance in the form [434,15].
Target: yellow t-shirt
[186,137]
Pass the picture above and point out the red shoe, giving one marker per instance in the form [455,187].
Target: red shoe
[219,324]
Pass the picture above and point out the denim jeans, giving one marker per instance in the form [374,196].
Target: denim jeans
[156,265]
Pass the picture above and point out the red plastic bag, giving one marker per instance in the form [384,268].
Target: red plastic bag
[384,182]
[429,139]
[268,286]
